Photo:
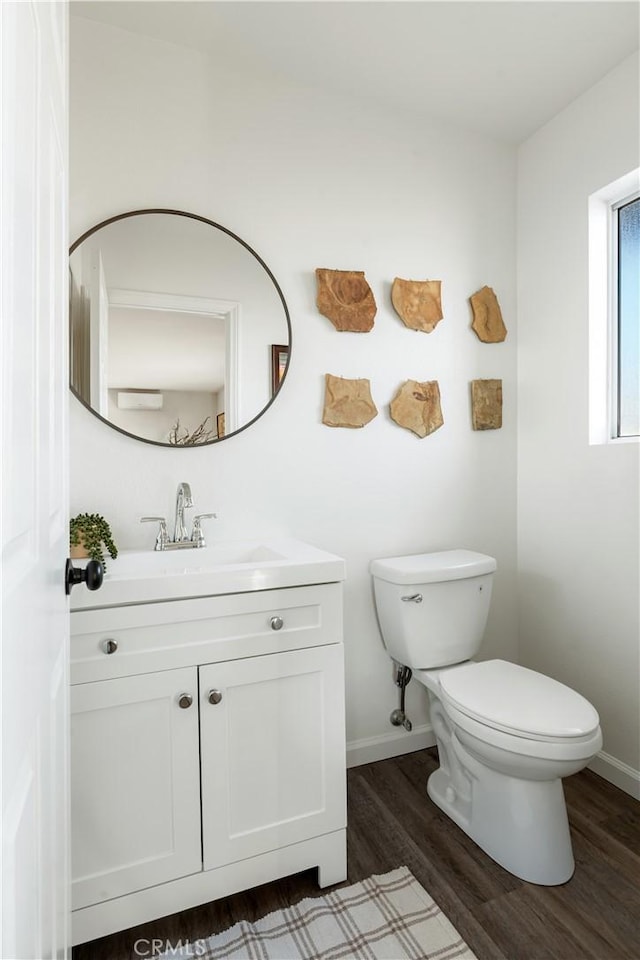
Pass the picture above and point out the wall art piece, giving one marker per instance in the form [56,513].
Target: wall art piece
[486,404]
[345,298]
[416,406]
[347,403]
[417,303]
[487,316]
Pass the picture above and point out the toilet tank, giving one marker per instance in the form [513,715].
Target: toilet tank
[433,607]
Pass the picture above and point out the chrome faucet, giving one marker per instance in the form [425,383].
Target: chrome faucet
[183,499]
[181,539]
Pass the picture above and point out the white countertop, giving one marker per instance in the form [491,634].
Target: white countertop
[231,567]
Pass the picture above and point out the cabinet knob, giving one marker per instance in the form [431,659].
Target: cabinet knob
[215,696]
[110,645]
[277,623]
[185,700]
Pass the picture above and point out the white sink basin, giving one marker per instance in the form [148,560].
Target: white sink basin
[137,576]
[151,563]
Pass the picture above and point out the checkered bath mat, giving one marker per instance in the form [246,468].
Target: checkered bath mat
[389,917]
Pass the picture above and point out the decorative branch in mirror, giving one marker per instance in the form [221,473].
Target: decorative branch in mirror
[172,322]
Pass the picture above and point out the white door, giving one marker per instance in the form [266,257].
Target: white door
[272,752]
[33,446]
[135,783]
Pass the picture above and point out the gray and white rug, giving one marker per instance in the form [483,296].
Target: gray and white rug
[389,917]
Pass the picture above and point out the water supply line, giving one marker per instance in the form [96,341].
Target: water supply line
[398,717]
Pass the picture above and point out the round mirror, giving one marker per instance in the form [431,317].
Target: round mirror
[179,333]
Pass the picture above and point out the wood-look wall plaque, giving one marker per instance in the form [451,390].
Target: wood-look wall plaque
[486,404]
[416,406]
[417,303]
[487,316]
[346,299]
[347,403]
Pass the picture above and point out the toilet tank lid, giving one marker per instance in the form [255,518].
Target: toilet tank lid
[433,567]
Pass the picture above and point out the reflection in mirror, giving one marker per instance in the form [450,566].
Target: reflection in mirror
[173,320]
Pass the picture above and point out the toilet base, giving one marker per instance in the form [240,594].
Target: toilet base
[521,824]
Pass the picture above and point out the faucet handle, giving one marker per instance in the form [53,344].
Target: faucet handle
[197,536]
[163,537]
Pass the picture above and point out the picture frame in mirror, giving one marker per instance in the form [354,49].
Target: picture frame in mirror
[279,361]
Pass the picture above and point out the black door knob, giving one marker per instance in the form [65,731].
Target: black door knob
[92,575]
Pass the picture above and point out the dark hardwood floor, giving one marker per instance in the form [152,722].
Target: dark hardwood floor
[595,916]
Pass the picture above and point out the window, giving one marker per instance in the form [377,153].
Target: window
[614,312]
[626,261]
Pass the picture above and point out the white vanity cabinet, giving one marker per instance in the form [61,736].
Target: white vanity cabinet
[207,750]
[135,778]
[272,748]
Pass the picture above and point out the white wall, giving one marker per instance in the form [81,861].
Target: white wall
[311,180]
[578,505]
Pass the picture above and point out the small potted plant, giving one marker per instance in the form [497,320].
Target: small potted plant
[89,535]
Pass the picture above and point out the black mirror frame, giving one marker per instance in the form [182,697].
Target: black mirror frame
[234,236]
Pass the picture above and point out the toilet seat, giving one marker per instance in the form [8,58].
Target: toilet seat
[520,710]
[519,701]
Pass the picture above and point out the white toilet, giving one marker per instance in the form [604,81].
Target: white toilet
[506,735]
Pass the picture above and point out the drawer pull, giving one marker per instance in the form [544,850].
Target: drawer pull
[215,696]
[185,700]
[110,645]
[277,623]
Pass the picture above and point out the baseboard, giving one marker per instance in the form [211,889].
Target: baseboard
[618,773]
[397,742]
[392,744]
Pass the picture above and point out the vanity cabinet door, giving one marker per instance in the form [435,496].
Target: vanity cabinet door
[135,788]
[272,752]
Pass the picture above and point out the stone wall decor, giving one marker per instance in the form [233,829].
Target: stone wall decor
[345,298]
[417,303]
[487,316]
[416,406]
[486,404]
[347,403]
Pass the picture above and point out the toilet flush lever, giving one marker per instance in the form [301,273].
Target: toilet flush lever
[414,598]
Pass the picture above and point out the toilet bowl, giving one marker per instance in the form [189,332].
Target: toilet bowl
[506,735]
